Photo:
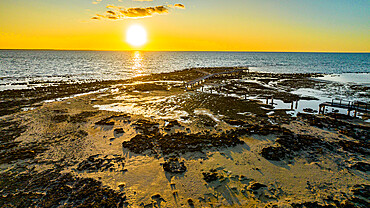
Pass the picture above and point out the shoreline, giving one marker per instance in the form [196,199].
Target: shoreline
[163,146]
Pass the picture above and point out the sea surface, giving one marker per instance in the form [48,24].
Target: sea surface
[19,67]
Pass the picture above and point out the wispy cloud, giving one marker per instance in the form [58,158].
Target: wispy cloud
[118,13]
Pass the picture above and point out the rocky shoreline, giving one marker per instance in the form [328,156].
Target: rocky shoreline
[148,142]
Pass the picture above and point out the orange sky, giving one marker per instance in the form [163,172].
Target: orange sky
[207,25]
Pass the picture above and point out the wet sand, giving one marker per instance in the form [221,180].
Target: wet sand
[148,142]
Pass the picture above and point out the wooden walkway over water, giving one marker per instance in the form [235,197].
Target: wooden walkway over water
[355,106]
[208,75]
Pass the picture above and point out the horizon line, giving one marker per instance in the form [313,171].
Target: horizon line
[236,51]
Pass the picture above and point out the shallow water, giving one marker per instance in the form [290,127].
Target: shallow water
[356,78]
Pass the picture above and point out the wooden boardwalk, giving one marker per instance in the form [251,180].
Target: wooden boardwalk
[208,75]
[355,106]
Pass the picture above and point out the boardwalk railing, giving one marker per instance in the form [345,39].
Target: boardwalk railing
[355,106]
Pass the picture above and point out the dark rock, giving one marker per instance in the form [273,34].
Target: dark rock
[235,122]
[301,142]
[119,131]
[359,202]
[356,147]
[51,189]
[362,166]
[173,165]
[179,143]
[362,190]
[105,122]
[158,198]
[146,127]
[274,153]
[82,117]
[254,186]
[191,202]
[97,163]
[311,205]
[309,110]
[139,144]
[212,175]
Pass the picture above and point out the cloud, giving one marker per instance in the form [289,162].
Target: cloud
[181,6]
[118,13]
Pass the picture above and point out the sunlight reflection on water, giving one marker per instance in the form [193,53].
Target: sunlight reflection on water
[137,63]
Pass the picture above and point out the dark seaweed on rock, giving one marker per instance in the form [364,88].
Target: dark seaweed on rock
[211,175]
[311,205]
[105,122]
[289,143]
[179,143]
[173,165]
[331,121]
[362,166]
[145,126]
[356,147]
[11,101]
[82,117]
[11,150]
[96,163]
[51,188]
[139,144]
[301,142]
[274,153]
[9,130]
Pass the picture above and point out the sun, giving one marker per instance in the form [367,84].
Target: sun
[136,35]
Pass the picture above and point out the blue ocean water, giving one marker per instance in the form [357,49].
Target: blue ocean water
[26,65]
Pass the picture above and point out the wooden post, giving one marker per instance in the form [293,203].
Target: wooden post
[296,104]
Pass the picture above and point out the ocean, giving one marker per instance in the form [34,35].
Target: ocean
[19,67]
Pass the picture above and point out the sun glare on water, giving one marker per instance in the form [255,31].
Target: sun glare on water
[136,35]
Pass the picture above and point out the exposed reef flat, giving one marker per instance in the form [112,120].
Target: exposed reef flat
[237,140]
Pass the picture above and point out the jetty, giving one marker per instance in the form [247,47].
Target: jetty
[355,106]
[208,75]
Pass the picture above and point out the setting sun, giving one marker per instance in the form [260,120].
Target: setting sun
[136,35]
